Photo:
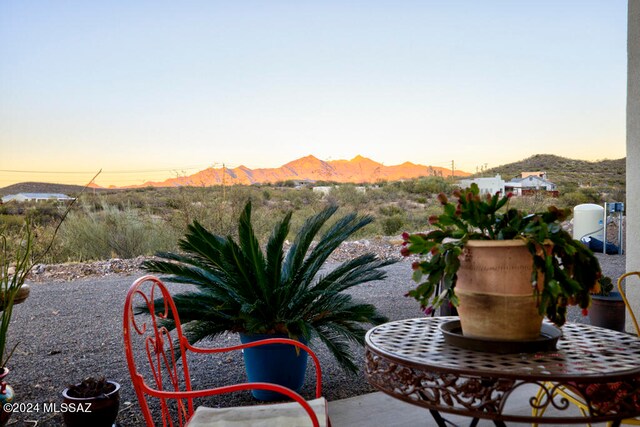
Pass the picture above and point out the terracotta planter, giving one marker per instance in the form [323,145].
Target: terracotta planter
[608,312]
[20,297]
[494,287]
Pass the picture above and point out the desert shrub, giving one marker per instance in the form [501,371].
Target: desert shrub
[422,200]
[11,223]
[347,195]
[391,210]
[425,185]
[537,202]
[580,196]
[45,213]
[392,224]
[89,235]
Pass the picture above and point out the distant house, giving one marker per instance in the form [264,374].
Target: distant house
[539,174]
[485,185]
[322,189]
[36,197]
[530,185]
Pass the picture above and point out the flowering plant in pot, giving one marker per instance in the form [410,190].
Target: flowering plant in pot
[269,293]
[531,251]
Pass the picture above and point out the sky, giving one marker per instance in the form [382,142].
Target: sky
[149,90]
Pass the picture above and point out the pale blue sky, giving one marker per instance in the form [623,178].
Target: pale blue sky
[161,88]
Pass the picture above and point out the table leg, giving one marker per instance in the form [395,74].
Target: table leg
[443,422]
[438,418]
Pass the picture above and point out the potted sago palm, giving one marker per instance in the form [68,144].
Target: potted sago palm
[265,293]
[503,268]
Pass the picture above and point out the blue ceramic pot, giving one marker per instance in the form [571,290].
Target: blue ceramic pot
[6,396]
[274,363]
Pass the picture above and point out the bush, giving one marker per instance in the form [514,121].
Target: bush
[392,224]
[111,233]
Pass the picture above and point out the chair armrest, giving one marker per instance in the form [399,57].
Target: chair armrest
[295,343]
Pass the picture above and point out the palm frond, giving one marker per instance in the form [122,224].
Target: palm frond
[338,347]
[275,256]
[252,258]
[302,242]
[329,242]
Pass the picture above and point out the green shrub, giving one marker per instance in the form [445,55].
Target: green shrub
[392,224]
[111,233]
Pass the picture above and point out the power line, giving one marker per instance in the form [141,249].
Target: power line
[106,172]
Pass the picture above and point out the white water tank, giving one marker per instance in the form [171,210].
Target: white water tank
[588,220]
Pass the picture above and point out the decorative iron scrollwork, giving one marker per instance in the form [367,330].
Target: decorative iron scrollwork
[486,397]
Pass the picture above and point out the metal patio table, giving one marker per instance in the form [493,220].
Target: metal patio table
[410,360]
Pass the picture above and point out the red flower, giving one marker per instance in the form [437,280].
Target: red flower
[509,195]
[433,219]
[405,236]
[405,251]
[585,311]
[442,198]
[415,265]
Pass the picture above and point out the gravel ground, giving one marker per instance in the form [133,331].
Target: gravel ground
[68,330]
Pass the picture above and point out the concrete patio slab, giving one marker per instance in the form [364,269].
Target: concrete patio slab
[379,409]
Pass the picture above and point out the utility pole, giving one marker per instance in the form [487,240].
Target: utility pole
[452,168]
[224,192]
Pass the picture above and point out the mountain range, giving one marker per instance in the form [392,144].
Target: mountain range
[567,173]
[359,169]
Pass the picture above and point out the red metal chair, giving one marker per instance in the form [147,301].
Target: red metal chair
[165,352]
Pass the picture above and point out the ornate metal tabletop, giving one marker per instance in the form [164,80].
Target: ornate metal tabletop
[409,360]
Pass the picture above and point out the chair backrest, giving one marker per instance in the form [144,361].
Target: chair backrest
[156,348]
[150,336]
[626,301]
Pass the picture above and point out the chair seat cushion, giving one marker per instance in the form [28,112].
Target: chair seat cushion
[274,415]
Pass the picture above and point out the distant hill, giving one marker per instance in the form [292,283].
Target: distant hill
[43,187]
[567,172]
[359,169]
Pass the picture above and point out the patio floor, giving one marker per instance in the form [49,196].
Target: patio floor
[379,409]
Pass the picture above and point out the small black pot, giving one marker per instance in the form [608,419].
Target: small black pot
[608,311]
[103,409]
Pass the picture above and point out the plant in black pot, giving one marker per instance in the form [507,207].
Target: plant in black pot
[266,293]
[91,402]
[503,268]
[607,307]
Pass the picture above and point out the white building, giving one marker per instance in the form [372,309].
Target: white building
[36,197]
[530,183]
[485,185]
